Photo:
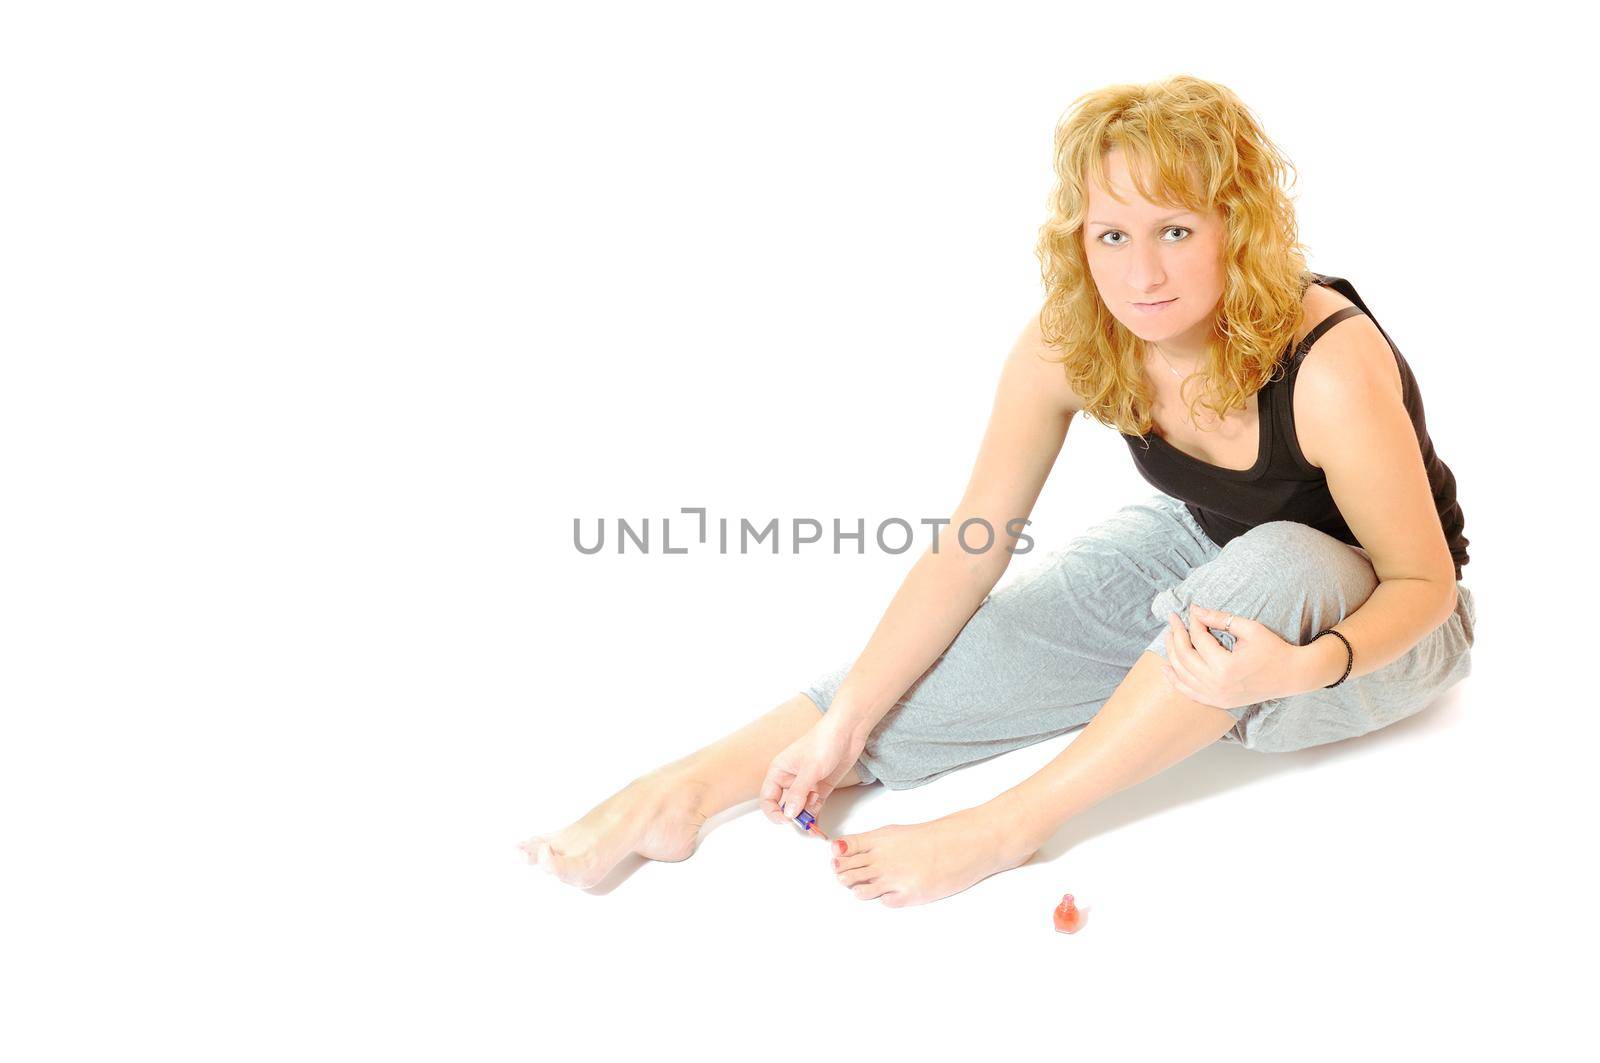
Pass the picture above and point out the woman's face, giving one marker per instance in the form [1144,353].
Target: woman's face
[1144,252]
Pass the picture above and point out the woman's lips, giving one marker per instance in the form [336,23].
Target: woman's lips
[1154,308]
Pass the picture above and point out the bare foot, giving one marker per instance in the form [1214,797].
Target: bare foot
[904,865]
[657,816]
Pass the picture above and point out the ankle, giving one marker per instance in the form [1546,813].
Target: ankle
[680,783]
[1023,830]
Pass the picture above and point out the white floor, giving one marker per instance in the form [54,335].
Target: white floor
[324,323]
[1412,885]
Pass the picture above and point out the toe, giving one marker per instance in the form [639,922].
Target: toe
[572,869]
[856,876]
[869,890]
[553,860]
[849,845]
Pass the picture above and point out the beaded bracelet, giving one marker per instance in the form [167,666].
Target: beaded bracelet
[1349,654]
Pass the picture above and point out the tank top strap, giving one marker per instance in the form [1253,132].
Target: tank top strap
[1323,326]
[1280,399]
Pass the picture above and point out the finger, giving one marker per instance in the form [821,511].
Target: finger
[1173,665]
[1182,687]
[1188,667]
[814,806]
[784,784]
[1244,627]
[772,792]
[1201,621]
[1180,634]
[1231,623]
[795,798]
[1208,655]
[1180,652]
[1240,627]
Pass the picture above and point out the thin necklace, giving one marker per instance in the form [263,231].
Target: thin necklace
[1164,358]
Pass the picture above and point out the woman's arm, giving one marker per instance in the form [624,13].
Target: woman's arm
[1033,408]
[1352,423]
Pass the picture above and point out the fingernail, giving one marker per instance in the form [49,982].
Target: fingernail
[839,847]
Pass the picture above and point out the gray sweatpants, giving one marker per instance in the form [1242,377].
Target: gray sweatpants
[1044,652]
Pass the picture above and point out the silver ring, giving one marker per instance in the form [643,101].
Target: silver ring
[1228,627]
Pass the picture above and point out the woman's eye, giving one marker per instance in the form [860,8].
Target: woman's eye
[1168,229]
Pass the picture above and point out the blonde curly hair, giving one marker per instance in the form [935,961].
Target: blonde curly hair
[1205,151]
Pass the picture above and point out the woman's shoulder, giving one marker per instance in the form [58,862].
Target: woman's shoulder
[1319,302]
[1357,337]
[1338,353]
[1044,369]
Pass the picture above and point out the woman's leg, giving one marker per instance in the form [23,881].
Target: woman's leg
[1145,728]
[1038,658]
[1041,655]
[659,815]
[1292,578]
[730,771]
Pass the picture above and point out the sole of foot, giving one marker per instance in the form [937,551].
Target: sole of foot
[658,817]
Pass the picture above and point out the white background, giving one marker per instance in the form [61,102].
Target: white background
[322,322]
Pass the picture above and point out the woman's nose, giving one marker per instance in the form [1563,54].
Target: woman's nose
[1146,273]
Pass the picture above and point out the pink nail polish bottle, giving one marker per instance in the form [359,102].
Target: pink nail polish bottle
[1068,919]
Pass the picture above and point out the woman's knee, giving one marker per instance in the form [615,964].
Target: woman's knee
[1289,576]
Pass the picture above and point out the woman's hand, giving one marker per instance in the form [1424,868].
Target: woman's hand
[1260,667]
[804,774]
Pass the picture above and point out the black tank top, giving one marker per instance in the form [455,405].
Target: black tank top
[1282,485]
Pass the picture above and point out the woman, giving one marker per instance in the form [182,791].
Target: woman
[1296,581]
